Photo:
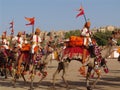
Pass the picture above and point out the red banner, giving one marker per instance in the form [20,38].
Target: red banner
[81,12]
[30,20]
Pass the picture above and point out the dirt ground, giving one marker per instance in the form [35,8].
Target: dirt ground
[109,81]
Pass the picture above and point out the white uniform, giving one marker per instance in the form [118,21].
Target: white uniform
[19,41]
[5,43]
[36,42]
[86,34]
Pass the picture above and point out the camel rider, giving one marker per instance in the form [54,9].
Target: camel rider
[19,40]
[5,42]
[36,43]
[87,41]
[5,45]
[86,34]
[25,41]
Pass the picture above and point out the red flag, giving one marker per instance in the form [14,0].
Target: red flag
[81,12]
[30,20]
[11,23]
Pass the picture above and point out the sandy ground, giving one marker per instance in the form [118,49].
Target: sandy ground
[109,81]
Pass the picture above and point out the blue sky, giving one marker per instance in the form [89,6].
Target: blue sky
[58,14]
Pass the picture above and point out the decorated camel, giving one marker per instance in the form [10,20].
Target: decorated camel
[91,56]
[95,61]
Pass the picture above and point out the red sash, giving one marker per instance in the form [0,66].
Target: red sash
[36,38]
[18,39]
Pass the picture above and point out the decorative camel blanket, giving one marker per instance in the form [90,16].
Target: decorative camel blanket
[74,51]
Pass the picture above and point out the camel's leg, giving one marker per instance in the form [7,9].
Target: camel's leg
[95,82]
[19,63]
[6,72]
[43,76]
[14,80]
[16,76]
[1,71]
[32,77]
[54,76]
[11,74]
[59,68]
[65,67]
[23,77]
[13,70]
[10,65]
[44,73]
[88,77]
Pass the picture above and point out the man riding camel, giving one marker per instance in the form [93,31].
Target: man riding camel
[5,42]
[5,45]
[19,40]
[36,43]
[87,39]
[86,43]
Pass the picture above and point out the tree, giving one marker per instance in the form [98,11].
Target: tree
[72,33]
[102,37]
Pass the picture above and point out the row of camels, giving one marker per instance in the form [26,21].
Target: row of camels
[93,63]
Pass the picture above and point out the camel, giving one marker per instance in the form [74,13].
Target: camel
[7,61]
[45,60]
[3,62]
[90,63]
[20,65]
[41,66]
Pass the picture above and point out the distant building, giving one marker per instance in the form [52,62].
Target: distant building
[110,28]
[104,29]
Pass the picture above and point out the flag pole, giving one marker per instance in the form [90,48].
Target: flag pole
[33,28]
[12,29]
[85,17]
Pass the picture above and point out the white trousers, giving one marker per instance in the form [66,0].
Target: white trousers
[32,49]
[87,40]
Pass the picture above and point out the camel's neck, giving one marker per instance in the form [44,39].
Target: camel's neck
[107,50]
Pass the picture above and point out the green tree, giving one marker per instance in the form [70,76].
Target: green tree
[72,33]
[102,37]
